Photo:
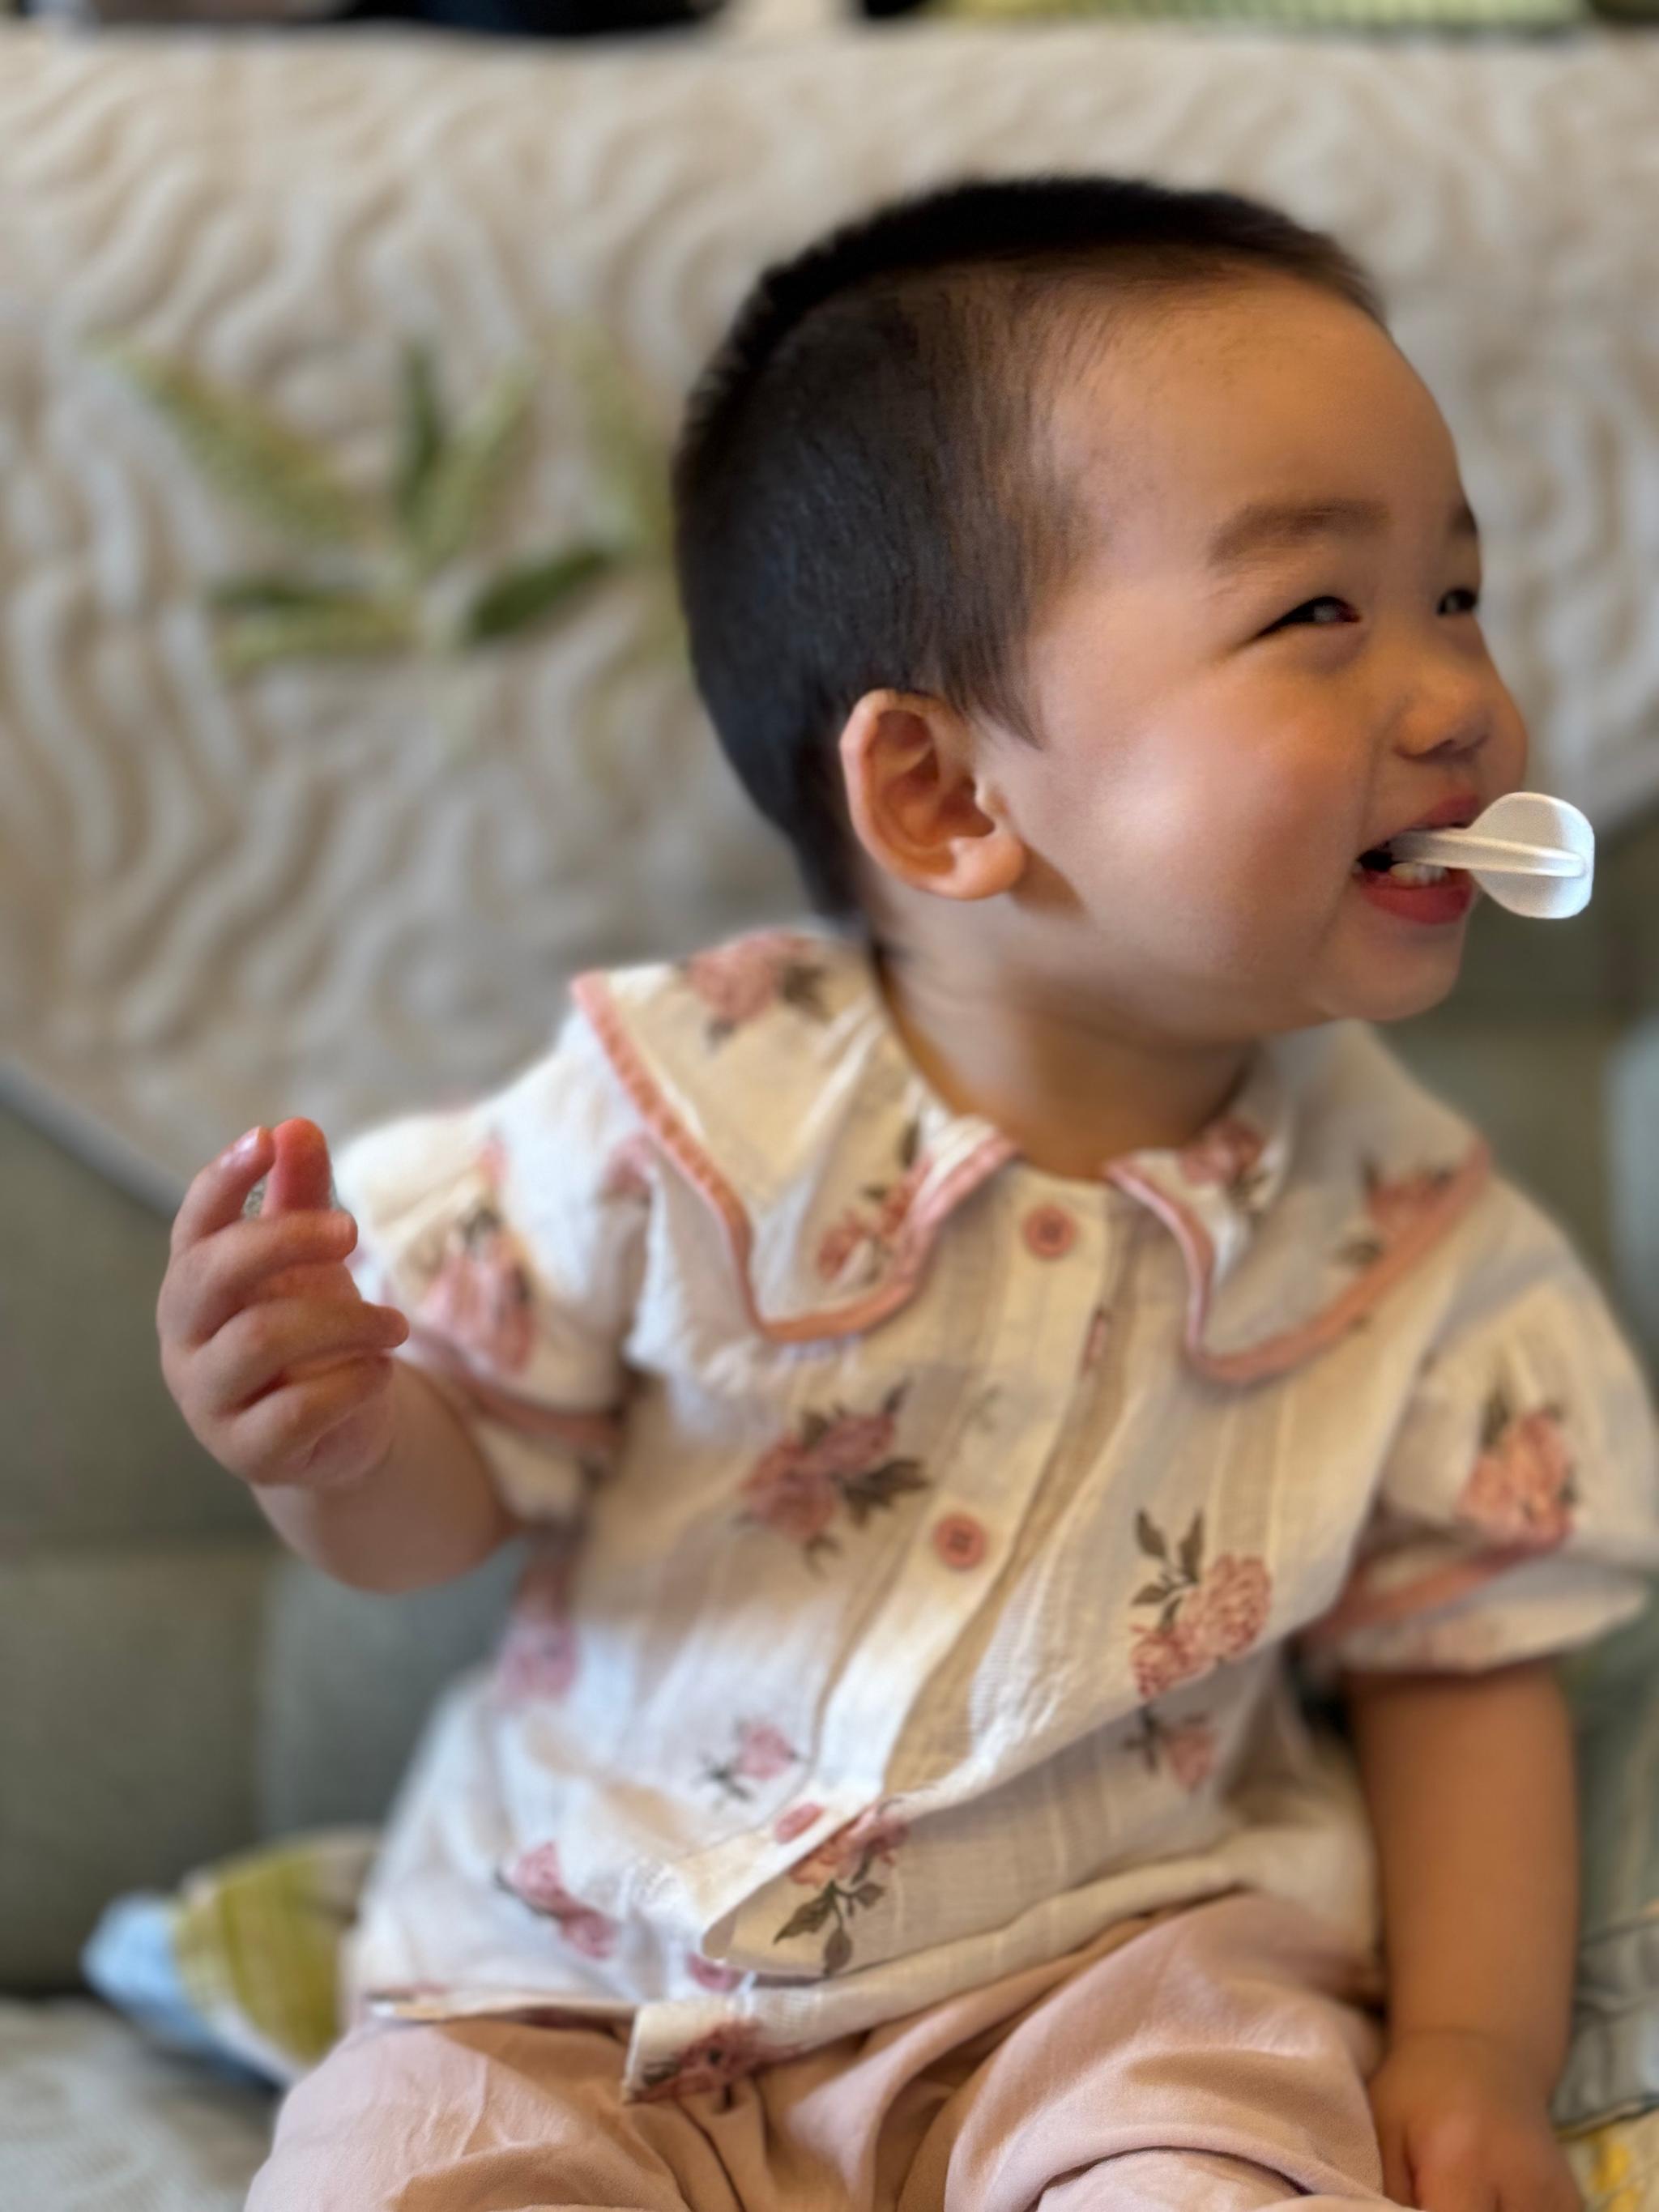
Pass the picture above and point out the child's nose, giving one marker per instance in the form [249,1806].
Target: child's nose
[1453,711]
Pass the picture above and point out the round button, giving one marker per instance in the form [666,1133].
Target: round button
[1050,1231]
[959,1540]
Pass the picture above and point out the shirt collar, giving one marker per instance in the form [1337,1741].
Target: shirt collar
[770,1072]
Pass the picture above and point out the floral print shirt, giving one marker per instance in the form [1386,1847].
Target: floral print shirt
[922,1547]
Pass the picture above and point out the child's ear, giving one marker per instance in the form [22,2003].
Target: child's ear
[918,801]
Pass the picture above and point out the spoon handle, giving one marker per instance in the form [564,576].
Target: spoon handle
[1462,849]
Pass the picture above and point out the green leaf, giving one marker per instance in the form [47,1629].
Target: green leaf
[330,627]
[263,595]
[462,486]
[1192,1549]
[1495,1419]
[1150,1594]
[423,434]
[808,1919]
[868,1893]
[285,480]
[838,1952]
[1150,1536]
[626,438]
[521,597]
[896,1478]
[802,987]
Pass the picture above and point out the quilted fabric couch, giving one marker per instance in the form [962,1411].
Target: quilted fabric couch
[220,904]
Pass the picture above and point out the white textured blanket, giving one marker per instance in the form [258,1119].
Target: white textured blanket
[221,905]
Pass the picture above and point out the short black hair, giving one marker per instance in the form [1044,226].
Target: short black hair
[860,495]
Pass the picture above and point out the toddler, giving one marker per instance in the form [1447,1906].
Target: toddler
[957,1367]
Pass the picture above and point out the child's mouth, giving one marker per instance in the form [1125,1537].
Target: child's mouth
[1414,891]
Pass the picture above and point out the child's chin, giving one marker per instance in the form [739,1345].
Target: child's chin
[1399,994]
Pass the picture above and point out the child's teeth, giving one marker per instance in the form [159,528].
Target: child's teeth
[1411,872]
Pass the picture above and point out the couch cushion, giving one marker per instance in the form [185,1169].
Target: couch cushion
[126,1734]
[347,1682]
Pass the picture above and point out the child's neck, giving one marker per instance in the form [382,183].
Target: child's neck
[1073,1088]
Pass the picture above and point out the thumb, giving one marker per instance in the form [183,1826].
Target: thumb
[300,1176]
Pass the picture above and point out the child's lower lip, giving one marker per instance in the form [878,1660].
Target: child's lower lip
[1433,904]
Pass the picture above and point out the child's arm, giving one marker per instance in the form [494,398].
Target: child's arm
[426,1513]
[1470,1785]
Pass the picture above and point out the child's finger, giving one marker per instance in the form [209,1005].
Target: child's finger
[281,1430]
[221,1274]
[216,1196]
[309,1278]
[257,1345]
[301,1178]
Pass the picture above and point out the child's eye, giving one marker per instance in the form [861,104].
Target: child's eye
[1467,601]
[1317,614]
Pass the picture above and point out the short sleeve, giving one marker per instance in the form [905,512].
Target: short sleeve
[1517,1515]
[512,1234]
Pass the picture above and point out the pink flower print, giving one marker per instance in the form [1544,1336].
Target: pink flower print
[795,1822]
[790,1498]
[1521,1489]
[852,1443]
[628,1170]
[1225,1614]
[480,1296]
[535,1877]
[714,2061]
[709,1974]
[835,1461]
[1187,1748]
[1190,1750]
[537,1659]
[858,1247]
[738,983]
[761,1752]
[538,1655]
[838,1872]
[874,1836]
[1204,1619]
[1161,1659]
[1226,1155]
[590,1933]
[1393,1206]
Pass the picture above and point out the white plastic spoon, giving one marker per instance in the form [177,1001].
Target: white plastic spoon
[1534,854]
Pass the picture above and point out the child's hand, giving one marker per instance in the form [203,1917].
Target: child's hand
[279,1363]
[1465,2127]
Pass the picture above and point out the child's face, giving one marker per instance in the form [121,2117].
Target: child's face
[1267,665]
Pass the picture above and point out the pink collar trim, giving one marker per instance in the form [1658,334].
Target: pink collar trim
[1276,1355]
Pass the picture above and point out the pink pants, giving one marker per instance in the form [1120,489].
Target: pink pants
[1213,2061]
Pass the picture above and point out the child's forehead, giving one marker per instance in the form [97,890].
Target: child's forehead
[1258,394]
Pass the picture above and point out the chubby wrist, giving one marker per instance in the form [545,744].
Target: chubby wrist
[1519,2048]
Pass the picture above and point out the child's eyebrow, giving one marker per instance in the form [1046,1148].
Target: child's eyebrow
[1267,526]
